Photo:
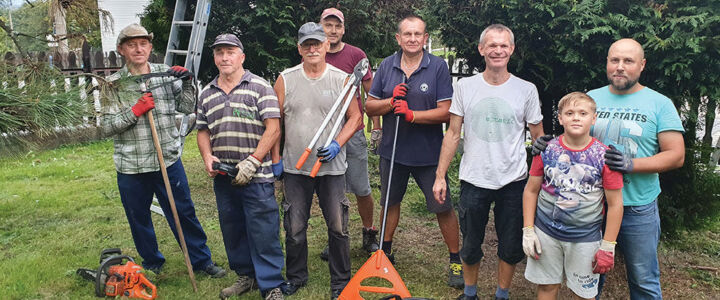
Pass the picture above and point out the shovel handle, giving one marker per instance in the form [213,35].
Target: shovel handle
[303,158]
[315,168]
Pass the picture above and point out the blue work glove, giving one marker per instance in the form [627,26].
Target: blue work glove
[329,152]
[616,161]
[539,145]
[277,169]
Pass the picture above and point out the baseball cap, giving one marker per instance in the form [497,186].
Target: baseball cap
[133,31]
[332,12]
[227,39]
[311,30]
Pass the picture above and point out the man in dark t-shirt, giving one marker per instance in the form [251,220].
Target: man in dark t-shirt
[344,57]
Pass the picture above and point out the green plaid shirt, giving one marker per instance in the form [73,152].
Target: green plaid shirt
[134,149]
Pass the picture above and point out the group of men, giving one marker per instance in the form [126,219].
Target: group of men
[263,130]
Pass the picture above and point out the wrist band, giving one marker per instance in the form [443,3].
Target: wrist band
[255,157]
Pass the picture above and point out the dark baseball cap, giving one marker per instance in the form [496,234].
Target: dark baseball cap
[311,30]
[228,39]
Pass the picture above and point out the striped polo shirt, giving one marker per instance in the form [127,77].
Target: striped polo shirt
[235,120]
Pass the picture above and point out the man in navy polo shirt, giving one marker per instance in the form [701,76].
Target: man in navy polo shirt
[415,86]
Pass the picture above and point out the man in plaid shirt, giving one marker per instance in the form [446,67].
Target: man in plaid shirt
[138,169]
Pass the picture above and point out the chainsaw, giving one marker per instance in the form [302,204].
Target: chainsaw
[119,275]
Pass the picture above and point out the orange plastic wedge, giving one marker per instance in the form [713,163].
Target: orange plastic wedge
[378,265]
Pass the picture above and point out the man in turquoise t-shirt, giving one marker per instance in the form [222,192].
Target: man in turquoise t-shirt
[644,128]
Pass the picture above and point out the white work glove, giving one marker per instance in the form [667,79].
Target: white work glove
[604,259]
[531,243]
[246,170]
[375,138]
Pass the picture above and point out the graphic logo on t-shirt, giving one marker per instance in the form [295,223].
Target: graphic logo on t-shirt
[620,127]
[492,119]
[424,87]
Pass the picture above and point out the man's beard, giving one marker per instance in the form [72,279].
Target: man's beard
[629,83]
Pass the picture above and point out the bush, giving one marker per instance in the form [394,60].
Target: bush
[690,197]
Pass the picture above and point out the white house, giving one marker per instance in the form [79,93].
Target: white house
[124,13]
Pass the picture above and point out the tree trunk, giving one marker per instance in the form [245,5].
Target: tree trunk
[709,122]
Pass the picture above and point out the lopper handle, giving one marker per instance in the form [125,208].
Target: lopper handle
[303,158]
[315,168]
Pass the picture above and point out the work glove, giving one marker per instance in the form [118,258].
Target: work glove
[399,92]
[179,71]
[144,104]
[277,169]
[375,138]
[604,258]
[616,161]
[400,107]
[246,170]
[539,145]
[531,243]
[329,152]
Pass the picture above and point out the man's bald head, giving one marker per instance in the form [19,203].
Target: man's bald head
[625,63]
[628,45]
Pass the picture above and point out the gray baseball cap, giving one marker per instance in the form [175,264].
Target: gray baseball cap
[133,31]
[228,39]
[311,30]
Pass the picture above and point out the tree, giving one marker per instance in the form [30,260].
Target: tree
[268,29]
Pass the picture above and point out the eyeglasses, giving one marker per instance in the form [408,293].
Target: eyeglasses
[308,46]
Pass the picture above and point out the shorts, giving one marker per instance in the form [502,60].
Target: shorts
[356,176]
[424,177]
[558,258]
[473,211]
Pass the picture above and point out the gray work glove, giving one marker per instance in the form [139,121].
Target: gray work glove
[616,161]
[375,138]
[246,170]
[539,145]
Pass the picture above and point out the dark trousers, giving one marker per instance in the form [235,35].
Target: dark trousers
[250,224]
[299,191]
[136,193]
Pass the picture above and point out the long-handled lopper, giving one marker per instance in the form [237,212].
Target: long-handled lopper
[171,199]
[354,81]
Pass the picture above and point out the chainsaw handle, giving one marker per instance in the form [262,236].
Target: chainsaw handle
[315,168]
[303,158]
[142,286]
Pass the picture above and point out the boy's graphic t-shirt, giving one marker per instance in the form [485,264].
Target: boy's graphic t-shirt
[570,203]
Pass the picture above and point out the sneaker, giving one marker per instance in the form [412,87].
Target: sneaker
[455,276]
[274,294]
[335,294]
[466,297]
[391,258]
[242,285]
[289,288]
[370,243]
[214,271]
[325,253]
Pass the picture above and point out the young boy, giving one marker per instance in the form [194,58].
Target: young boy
[565,191]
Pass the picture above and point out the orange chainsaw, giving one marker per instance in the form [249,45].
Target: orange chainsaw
[119,275]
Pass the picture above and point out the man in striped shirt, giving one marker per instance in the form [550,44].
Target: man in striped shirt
[238,123]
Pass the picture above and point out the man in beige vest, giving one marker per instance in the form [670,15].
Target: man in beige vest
[306,93]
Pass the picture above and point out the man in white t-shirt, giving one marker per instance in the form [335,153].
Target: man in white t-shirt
[495,107]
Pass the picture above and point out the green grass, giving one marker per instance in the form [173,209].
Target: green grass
[59,208]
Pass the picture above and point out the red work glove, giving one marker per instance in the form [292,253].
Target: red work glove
[179,71]
[399,93]
[604,258]
[144,104]
[400,107]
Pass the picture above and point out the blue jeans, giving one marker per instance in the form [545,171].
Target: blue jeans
[136,193]
[250,225]
[638,240]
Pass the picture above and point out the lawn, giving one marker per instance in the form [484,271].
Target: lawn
[59,208]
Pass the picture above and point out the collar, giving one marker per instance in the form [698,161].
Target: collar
[424,61]
[244,78]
